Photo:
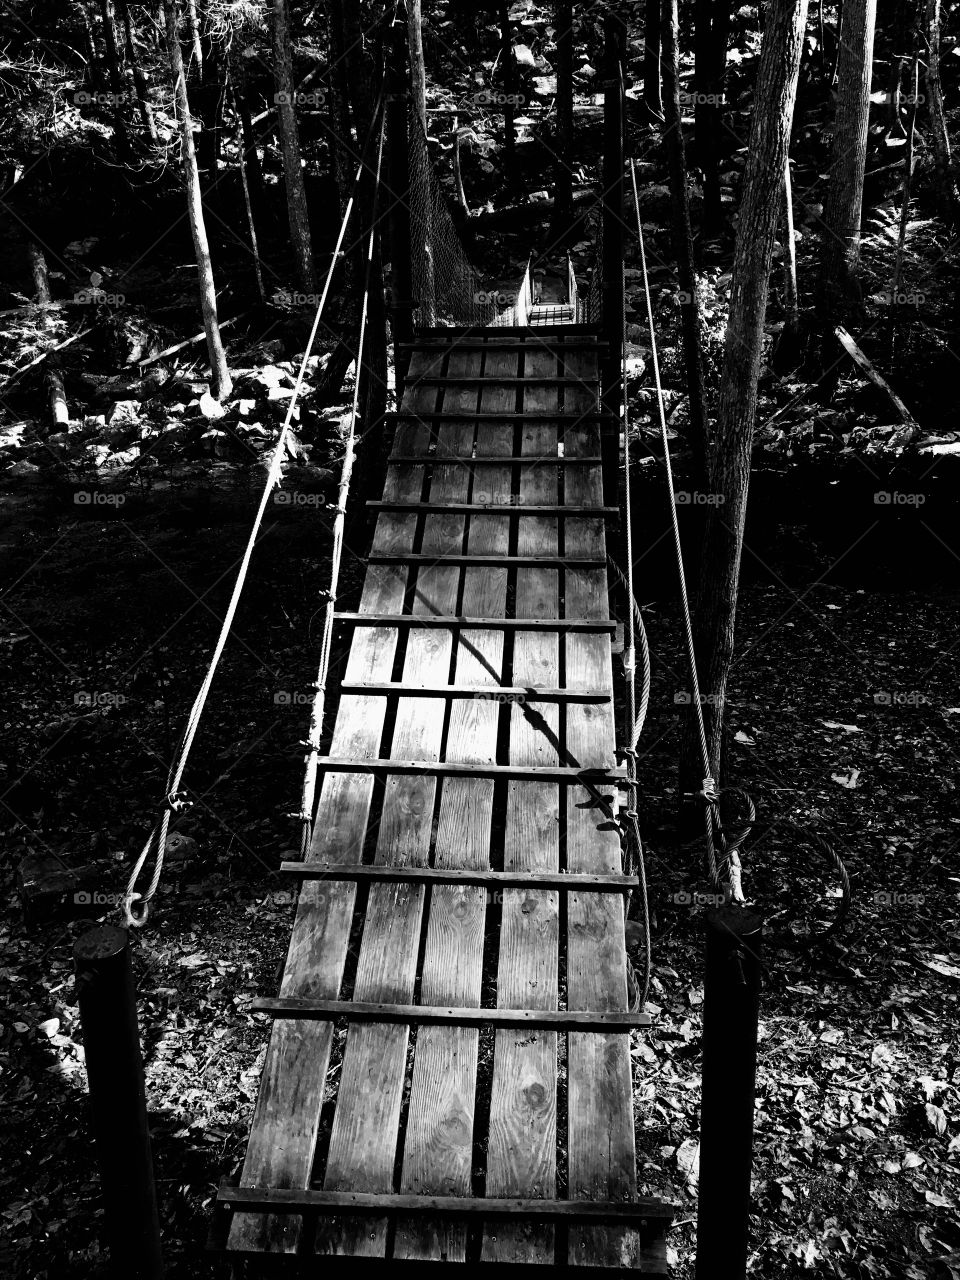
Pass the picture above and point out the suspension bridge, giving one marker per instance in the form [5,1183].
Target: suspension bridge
[464,886]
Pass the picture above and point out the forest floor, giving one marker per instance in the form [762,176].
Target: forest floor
[844,718]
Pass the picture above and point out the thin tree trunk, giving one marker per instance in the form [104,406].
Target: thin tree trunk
[220,381]
[139,76]
[418,74]
[683,243]
[789,348]
[711,36]
[730,458]
[508,72]
[59,411]
[950,198]
[895,127]
[841,19]
[247,201]
[95,77]
[290,144]
[457,173]
[116,79]
[651,57]
[904,202]
[563,174]
[839,294]
[251,156]
[193,27]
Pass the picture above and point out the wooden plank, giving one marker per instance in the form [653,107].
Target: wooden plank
[432,1015]
[466,769]
[438,1148]
[363,1140]
[505,509]
[495,693]
[283,1132]
[648,1211]
[522,1151]
[562,880]
[430,459]
[599,1065]
[454,620]
[432,558]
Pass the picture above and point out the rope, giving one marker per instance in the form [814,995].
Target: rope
[722,839]
[173,801]
[635,716]
[346,471]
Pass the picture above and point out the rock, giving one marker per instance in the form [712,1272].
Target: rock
[125,413]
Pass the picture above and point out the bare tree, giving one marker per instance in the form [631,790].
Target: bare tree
[946,175]
[290,145]
[41,283]
[139,75]
[729,461]
[220,381]
[839,285]
[651,57]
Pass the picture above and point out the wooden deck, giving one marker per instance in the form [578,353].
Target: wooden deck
[491,531]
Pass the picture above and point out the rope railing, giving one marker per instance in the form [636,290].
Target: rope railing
[174,800]
[447,288]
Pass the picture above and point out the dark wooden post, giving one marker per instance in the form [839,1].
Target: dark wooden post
[612,267]
[731,1006]
[111,1045]
[397,193]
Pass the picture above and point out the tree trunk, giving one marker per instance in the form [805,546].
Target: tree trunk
[251,155]
[457,171]
[418,74]
[208,101]
[41,284]
[116,79]
[651,57]
[139,76]
[729,464]
[947,180]
[905,203]
[508,72]
[683,243]
[220,382]
[710,70]
[193,26]
[247,198]
[789,348]
[95,76]
[839,295]
[290,144]
[562,172]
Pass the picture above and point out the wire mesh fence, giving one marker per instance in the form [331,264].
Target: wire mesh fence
[447,290]
[590,302]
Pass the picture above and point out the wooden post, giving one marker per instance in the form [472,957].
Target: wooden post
[398,194]
[731,1004]
[612,315]
[111,1043]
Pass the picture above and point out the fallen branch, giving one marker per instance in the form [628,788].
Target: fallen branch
[82,333]
[188,342]
[862,362]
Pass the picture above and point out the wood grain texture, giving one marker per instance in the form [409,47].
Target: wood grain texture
[522,1150]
